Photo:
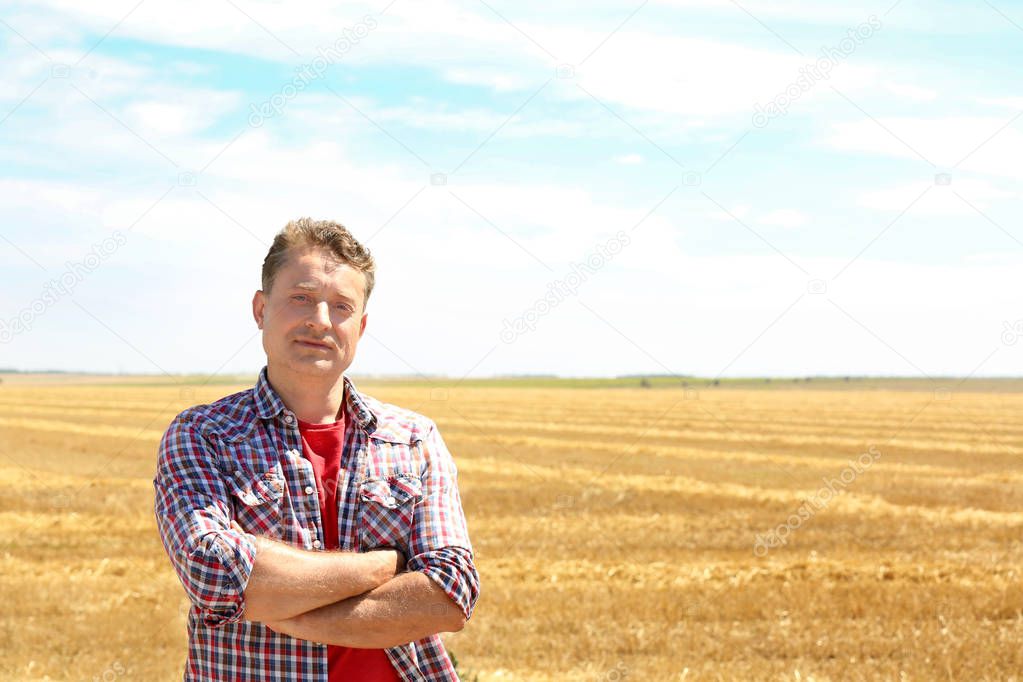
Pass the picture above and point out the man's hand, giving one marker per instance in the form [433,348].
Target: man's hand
[399,559]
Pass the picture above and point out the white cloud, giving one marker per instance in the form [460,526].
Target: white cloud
[912,92]
[656,73]
[629,159]
[433,118]
[738,211]
[163,118]
[805,11]
[982,144]
[1014,103]
[935,200]
[785,217]
[497,79]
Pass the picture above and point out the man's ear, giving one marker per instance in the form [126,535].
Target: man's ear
[362,324]
[258,306]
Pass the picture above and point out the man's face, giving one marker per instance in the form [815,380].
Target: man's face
[314,316]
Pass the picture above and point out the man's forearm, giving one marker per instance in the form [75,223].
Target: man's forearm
[287,581]
[406,608]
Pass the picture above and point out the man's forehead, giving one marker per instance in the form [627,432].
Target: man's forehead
[316,269]
[319,280]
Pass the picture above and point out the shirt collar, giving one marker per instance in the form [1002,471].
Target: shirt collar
[270,405]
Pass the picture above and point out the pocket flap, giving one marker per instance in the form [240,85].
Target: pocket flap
[256,489]
[392,491]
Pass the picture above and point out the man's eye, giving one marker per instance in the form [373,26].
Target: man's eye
[343,306]
[300,297]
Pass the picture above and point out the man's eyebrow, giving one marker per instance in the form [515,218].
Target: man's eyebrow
[313,286]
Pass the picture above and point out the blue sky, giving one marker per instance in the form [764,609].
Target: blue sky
[870,225]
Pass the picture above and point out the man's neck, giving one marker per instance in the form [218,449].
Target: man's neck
[313,400]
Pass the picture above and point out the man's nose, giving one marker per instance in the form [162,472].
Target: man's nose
[320,316]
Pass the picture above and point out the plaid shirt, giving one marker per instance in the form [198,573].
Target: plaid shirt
[241,458]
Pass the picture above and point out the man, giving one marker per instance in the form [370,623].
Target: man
[318,532]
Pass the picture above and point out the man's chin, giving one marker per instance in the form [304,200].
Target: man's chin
[314,366]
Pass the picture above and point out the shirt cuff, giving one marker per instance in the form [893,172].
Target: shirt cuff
[453,570]
[227,557]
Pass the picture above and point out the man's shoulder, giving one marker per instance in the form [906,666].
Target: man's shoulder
[227,418]
[396,424]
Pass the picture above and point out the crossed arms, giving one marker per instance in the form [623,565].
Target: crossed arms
[374,599]
[355,599]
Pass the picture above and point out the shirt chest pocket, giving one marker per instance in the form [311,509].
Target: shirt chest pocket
[386,511]
[256,500]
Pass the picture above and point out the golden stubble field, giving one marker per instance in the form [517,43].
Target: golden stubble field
[621,534]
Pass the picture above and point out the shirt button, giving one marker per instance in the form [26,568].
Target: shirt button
[391,501]
[308,490]
[316,544]
[288,419]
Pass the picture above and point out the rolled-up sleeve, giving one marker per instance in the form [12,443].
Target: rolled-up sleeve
[193,515]
[440,545]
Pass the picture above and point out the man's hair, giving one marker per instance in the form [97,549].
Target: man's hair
[329,235]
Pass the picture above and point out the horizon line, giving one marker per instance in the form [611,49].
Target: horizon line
[524,375]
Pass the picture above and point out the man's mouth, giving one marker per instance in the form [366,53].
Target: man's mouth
[313,344]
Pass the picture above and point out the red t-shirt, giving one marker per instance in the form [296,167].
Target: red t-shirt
[322,445]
